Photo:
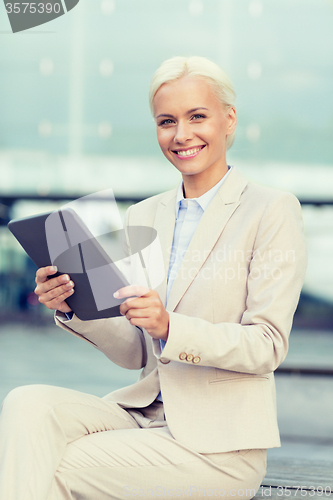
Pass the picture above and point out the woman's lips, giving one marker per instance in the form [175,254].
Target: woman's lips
[186,154]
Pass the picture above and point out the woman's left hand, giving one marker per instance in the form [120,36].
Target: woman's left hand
[144,308]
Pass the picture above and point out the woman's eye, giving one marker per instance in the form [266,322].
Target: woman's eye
[167,121]
[198,117]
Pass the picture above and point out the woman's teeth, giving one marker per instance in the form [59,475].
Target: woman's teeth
[189,152]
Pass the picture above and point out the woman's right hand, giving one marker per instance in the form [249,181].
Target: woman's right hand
[53,292]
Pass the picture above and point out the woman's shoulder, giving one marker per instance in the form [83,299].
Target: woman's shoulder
[259,194]
[238,187]
[270,204]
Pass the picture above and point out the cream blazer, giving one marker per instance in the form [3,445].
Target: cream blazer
[231,308]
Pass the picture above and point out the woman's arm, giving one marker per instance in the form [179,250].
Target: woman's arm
[121,342]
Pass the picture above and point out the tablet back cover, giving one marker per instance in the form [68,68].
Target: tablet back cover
[31,234]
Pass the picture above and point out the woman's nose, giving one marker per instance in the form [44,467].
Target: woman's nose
[183,133]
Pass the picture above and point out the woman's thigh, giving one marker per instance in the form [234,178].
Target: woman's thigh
[74,413]
[36,425]
[150,463]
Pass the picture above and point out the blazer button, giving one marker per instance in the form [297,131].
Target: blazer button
[189,357]
[197,359]
[164,361]
[182,356]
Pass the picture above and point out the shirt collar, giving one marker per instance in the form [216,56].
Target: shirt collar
[203,200]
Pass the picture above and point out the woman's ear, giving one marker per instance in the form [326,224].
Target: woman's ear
[232,120]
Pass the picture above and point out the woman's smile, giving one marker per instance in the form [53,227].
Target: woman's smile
[189,153]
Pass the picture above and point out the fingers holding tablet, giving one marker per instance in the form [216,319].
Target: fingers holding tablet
[52,292]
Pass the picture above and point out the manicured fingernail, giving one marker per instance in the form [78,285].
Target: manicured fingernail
[116,295]
[65,278]
[54,268]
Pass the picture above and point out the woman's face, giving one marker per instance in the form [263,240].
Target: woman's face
[192,128]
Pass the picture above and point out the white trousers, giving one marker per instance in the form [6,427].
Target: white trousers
[61,444]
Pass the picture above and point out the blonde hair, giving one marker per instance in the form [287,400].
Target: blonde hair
[177,67]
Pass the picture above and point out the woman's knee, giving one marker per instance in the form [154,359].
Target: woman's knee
[30,396]
[19,395]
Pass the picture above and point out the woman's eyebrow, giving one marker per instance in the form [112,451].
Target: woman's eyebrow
[164,114]
[188,112]
[196,109]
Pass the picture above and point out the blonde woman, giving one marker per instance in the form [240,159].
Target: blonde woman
[201,417]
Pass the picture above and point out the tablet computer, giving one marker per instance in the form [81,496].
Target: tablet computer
[61,238]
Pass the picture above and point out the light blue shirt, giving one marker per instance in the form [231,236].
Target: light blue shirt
[188,214]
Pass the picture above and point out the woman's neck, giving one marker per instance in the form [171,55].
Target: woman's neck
[197,185]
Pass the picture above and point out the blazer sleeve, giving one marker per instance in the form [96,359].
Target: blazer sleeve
[259,342]
[121,342]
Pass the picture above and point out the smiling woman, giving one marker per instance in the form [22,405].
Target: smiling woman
[208,338]
[194,138]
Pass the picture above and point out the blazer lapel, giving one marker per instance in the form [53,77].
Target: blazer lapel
[164,224]
[209,229]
